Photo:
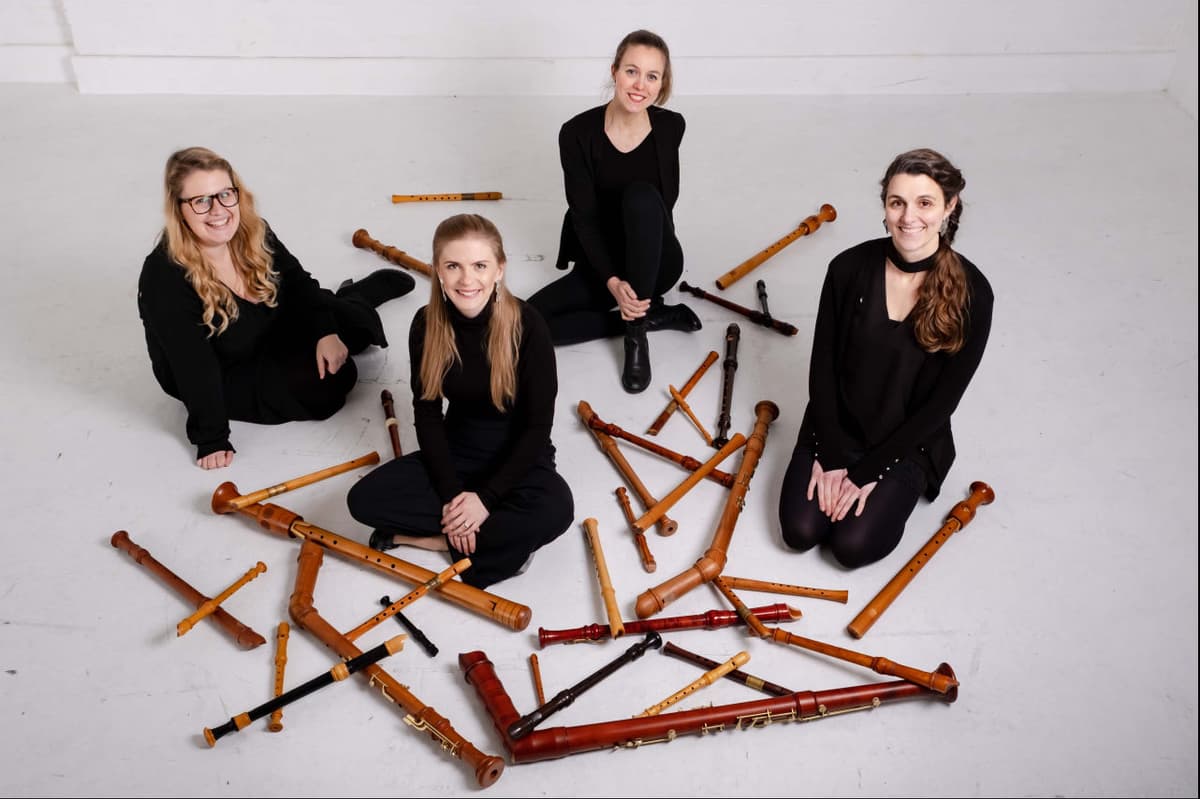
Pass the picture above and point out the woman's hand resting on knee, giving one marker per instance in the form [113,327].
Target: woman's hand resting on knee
[851,494]
[461,520]
[828,485]
[837,493]
[331,355]
[216,460]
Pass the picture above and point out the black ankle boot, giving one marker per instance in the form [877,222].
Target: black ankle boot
[360,315]
[378,287]
[635,377]
[672,317]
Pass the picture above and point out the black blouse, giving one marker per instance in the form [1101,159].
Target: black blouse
[582,147]
[873,400]
[880,367]
[188,362]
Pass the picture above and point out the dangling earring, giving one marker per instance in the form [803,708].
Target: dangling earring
[945,225]
[885,228]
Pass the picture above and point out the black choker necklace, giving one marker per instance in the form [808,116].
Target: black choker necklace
[922,265]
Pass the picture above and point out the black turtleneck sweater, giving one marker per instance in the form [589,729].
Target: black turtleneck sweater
[467,387]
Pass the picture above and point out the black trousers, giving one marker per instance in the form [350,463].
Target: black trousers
[281,383]
[855,540]
[398,497]
[579,307]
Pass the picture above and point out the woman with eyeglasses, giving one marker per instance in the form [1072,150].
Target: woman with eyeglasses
[235,327]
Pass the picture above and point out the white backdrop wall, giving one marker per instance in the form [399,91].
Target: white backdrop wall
[557,47]
[1183,78]
[35,43]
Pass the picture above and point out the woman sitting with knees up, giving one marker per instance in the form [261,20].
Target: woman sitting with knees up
[620,165]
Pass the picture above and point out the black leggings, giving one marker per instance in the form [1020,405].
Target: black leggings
[282,384]
[579,307]
[856,540]
[398,497]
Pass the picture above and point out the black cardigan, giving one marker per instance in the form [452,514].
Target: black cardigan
[579,146]
[925,435]
[188,360]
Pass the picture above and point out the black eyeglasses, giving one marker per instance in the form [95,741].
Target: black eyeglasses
[203,203]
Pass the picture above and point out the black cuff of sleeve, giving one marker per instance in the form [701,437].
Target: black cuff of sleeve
[449,492]
[203,450]
[489,498]
[864,473]
[324,324]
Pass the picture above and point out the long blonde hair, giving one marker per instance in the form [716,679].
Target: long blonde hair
[940,315]
[504,327]
[252,257]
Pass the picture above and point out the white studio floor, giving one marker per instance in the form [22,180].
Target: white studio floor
[1067,608]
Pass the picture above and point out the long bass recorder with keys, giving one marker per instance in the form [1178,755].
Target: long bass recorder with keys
[554,742]
[419,716]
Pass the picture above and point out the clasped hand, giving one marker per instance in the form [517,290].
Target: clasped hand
[461,520]
[627,299]
[837,493]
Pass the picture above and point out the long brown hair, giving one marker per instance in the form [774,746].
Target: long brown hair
[504,327]
[251,256]
[648,39]
[940,315]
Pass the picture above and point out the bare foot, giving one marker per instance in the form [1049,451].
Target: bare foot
[434,543]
